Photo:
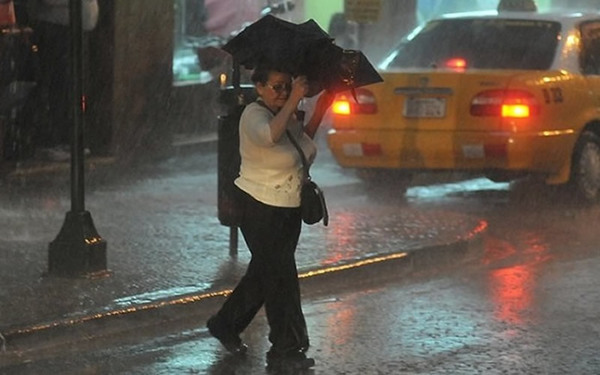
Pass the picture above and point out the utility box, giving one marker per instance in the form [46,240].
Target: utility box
[233,101]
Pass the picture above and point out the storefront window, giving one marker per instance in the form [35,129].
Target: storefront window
[207,23]
[189,33]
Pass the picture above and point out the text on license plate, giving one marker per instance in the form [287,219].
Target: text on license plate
[424,107]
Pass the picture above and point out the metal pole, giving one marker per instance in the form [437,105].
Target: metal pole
[236,77]
[233,241]
[78,100]
[78,249]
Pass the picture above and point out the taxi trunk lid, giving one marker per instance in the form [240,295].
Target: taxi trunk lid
[433,101]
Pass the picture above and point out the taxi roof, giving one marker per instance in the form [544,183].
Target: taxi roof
[568,19]
[565,17]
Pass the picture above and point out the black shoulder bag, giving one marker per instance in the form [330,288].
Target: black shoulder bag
[312,199]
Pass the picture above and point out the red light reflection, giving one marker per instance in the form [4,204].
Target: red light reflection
[340,323]
[496,249]
[511,292]
[512,286]
[341,238]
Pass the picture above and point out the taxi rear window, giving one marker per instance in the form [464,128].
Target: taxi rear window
[482,44]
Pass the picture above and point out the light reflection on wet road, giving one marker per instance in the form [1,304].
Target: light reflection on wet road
[528,306]
[450,321]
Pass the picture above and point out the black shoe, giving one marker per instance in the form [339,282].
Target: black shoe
[229,340]
[294,360]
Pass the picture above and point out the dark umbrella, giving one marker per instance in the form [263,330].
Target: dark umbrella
[302,49]
[338,69]
[273,41]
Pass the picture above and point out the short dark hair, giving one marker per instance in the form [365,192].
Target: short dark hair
[261,73]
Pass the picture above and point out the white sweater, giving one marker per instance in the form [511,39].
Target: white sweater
[271,172]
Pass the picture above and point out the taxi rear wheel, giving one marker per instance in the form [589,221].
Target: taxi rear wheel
[585,172]
[378,180]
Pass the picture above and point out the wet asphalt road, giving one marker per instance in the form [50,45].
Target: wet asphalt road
[164,239]
[527,306]
[520,317]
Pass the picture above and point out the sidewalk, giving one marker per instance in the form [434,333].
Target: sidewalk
[169,255]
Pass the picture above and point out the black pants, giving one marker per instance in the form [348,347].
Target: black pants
[271,234]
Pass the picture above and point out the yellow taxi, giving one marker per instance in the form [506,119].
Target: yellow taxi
[500,93]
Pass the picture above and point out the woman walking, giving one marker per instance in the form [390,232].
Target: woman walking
[269,191]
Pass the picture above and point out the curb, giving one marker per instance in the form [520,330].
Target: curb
[32,168]
[25,170]
[19,342]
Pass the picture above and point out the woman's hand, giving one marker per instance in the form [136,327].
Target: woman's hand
[279,122]
[299,89]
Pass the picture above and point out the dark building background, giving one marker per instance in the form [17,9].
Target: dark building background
[135,108]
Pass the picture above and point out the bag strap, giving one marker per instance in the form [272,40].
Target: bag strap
[305,164]
[302,156]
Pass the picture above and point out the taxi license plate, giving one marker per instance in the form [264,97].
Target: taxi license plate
[424,107]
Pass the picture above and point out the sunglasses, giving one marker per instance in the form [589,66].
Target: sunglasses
[280,87]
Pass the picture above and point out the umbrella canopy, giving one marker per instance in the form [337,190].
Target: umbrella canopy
[301,49]
[275,42]
[338,69]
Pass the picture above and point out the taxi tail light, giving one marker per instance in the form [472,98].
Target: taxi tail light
[371,149]
[457,64]
[346,104]
[505,103]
